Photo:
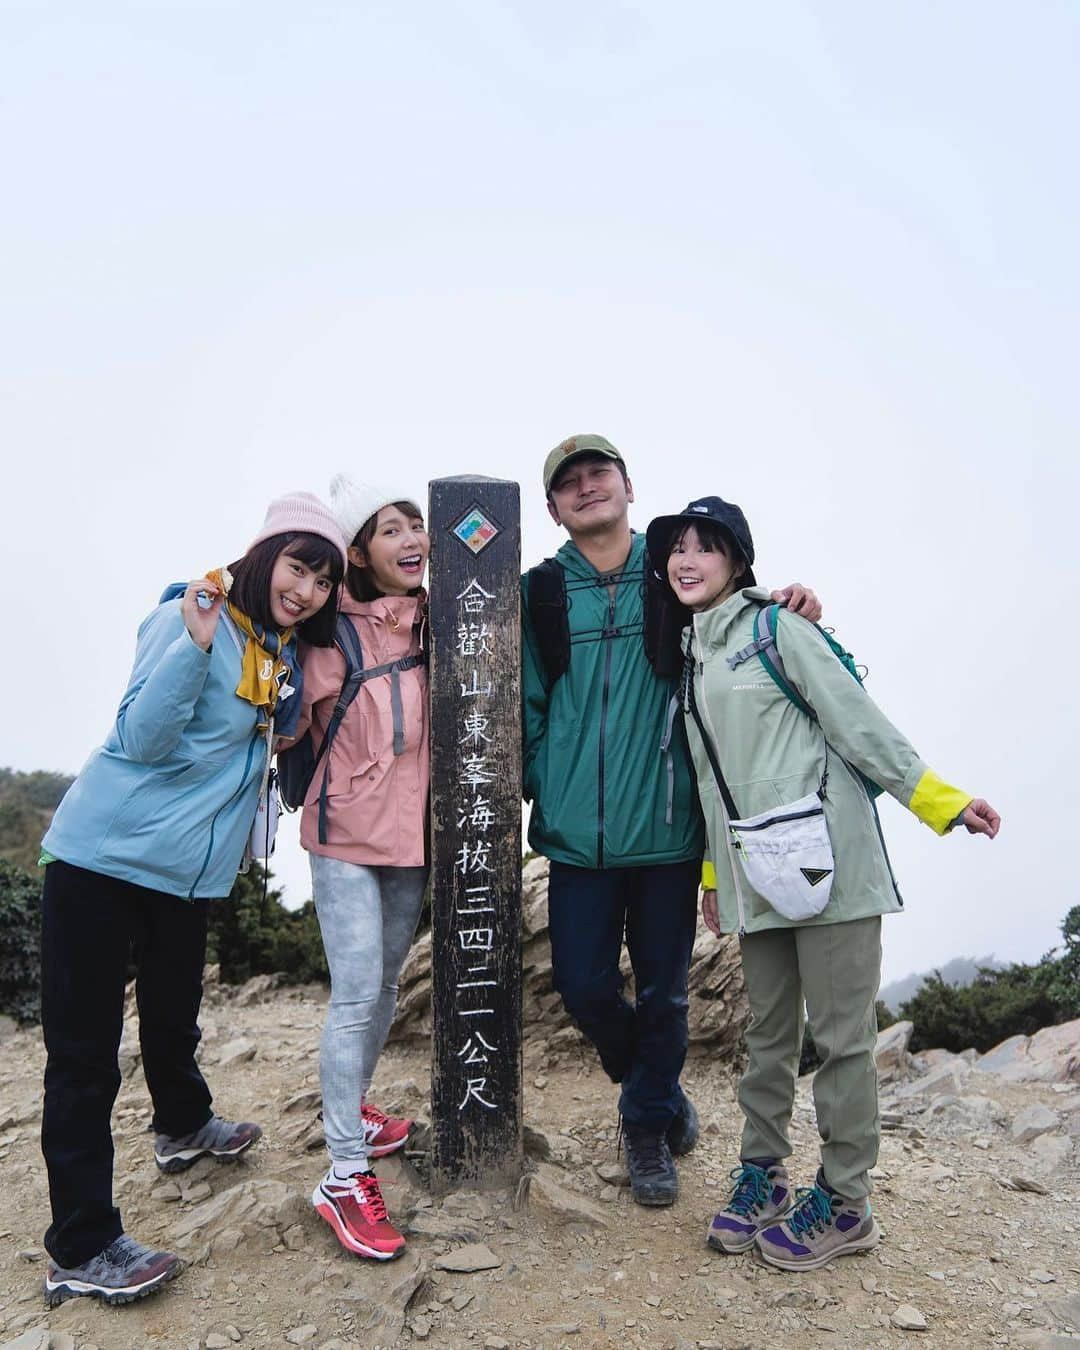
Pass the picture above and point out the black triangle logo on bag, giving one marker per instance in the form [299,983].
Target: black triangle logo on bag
[815,874]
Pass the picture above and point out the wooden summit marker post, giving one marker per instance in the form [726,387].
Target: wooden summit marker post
[475,681]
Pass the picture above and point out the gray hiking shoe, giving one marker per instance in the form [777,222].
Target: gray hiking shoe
[682,1133]
[653,1179]
[124,1271]
[822,1225]
[219,1138]
[760,1197]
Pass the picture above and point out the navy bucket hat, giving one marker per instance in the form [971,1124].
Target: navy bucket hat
[725,514]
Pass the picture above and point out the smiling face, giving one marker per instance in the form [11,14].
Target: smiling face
[397,552]
[703,569]
[297,591]
[590,494]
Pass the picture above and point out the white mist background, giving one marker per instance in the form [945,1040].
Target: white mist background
[820,259]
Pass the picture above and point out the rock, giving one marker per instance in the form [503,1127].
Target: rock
[307,1099]
[378,1293]
[537,1144]
[217,1340]
[1052,1055]
[908,1318]
[891,1049]
[8,1026]
[168,1191]
[301,1335]
[1019,1182]
[466,1260]
[129,1054]
[31,1254]
[201,1190]
[37,1338]
[420,1326]
[255,990]
[948,1076]
[1052,1150]
[441,1226]
[614,1173]
[546,1195]
[496,1343]
[1043,1277]
[1033,1121]
[240,1051]
[260,1210]
[1065,1309]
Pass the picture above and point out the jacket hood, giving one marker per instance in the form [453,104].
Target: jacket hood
[711,626]
[577,565]
[403,607]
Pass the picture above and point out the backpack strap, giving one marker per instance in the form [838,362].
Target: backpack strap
[545,597]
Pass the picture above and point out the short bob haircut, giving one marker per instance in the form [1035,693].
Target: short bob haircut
[251,581]
[713,534]
[359,580]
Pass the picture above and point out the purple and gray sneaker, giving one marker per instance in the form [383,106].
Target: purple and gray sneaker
[221,1139]
[821,1226]
[122,1272]
[760,1197]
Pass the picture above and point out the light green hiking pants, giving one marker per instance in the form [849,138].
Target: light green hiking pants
[835,969]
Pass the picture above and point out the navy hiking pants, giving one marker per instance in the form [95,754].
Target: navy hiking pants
[643,1046]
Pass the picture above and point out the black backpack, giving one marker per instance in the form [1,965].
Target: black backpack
[296,766]
[664,618]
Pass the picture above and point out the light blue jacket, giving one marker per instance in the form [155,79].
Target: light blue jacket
[168,801]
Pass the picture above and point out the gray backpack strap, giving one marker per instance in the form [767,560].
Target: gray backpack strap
[665,749]
[763,640]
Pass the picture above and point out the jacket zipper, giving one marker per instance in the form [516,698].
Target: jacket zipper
[609,633]
[775,820]
[732,844]
[255,740]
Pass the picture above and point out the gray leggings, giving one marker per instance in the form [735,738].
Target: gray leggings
[367,916]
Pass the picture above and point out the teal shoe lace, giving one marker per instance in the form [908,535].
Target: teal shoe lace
[813,1210]
[751,1189]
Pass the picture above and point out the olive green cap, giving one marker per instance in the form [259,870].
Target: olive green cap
[572,448]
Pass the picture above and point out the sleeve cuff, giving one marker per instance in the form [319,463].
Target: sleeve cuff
[936,803]
[708,876]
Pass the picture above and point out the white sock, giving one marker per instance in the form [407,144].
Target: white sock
[341,1169]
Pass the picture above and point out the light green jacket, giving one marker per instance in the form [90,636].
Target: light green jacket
[772,754]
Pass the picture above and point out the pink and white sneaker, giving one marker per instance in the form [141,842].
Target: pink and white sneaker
[382,1133]
[356,1211]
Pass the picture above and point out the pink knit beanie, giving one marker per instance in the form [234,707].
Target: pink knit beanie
[302,513]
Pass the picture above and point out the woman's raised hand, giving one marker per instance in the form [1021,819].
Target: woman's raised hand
[201,620]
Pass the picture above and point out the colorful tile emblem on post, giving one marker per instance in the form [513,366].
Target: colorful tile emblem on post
[475,530]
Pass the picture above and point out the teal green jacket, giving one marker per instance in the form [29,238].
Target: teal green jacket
[592,764]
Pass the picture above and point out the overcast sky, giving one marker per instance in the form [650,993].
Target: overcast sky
[820,259]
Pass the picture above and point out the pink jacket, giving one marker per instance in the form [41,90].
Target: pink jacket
[377,801]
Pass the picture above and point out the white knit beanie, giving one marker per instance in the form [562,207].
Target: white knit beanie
[353,504]
[302,513]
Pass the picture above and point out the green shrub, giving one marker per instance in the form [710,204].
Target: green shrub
[252,936]
[20,943]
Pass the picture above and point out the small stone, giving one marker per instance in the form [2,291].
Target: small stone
[475,1256]
[869,1284]
[459,1302]
[1020,1182]
[240,1051]
[217,1340]
[495,1343]
[420,1326]
[908,1318]
[293,1238]
[540,1081]
[1011,1310]
[614,1173]
[31,1254]
[653,1300]
[168,1191]
[1043,1277]
[301,1335]
[202,1190]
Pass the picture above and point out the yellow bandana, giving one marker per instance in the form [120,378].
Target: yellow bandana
[262,671]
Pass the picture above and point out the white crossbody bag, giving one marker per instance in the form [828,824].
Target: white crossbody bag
[785,853]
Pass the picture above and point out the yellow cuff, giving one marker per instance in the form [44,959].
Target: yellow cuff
[708,876]
[936,803]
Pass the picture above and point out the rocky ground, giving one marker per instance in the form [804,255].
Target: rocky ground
[976,1190]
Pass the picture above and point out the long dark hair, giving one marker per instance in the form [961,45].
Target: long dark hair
[251,581]
[360,580]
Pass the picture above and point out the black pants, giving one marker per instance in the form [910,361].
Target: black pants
[642,1047]
[92,925]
